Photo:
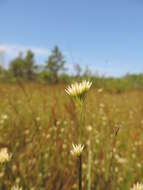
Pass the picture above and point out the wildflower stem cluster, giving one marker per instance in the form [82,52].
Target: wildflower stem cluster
[78,92]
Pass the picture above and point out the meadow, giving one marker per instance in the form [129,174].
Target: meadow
[39,122]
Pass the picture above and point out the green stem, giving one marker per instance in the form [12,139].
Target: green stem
[80,172]
[81,121]
[80,109]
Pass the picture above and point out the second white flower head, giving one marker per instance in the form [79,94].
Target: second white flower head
[77,149]
[16,187]
[137,186]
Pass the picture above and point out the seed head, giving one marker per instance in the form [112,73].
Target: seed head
[77,149]
[78,89]
[137,186]
[4,155]
[16,187]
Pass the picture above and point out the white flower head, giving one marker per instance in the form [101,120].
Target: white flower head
[77,149]
[4,117]
[120,160]
[137,186]
[4,155]
[16,187]
[37,118]
[100,90]
[78,89]
[89,128]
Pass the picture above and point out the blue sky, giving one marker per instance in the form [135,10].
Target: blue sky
[106,35]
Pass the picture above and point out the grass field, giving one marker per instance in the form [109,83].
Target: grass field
[38,124]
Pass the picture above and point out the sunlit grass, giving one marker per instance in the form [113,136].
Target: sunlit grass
[38,124]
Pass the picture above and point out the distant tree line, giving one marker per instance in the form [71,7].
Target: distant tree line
[25,67]
[55,71]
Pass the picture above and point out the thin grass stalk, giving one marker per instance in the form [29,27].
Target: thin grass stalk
[80,172]
[111,175]
[89,167]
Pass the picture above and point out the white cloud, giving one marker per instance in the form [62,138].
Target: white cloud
[14,49]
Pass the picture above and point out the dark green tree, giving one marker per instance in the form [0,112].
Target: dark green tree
[29,65]
[17,66]
[55,63]
[3,73]
[23,67]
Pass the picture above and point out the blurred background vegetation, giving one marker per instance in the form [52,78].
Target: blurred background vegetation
[55,71]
